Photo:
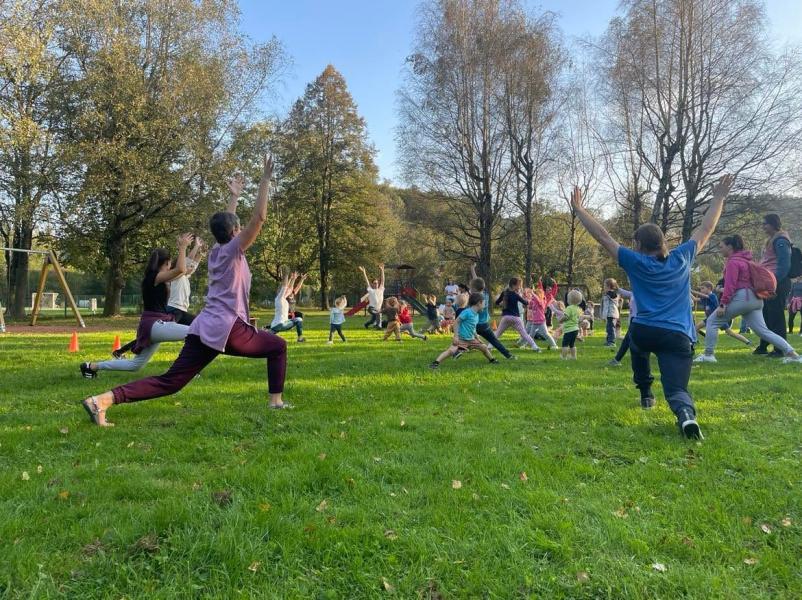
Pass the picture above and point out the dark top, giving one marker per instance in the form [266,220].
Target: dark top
[510,307]
[154,297]
[431,311]
[391,314]
[457,311]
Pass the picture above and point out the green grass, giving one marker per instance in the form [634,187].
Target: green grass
[208,495]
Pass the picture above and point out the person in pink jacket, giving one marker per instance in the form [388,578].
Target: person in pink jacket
[536,313]
[739,299]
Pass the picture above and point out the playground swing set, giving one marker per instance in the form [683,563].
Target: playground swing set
[49,259]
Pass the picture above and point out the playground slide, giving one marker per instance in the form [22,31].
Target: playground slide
[356,309]
[416,304]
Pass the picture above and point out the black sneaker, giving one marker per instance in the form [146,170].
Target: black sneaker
[688,425]
[647,402]
[458,353]
[512,357]
[87,371]
[493,361]
[775,354]
[435,365]
[760,351]
[117,354]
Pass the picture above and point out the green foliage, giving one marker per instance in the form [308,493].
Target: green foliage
[207,494]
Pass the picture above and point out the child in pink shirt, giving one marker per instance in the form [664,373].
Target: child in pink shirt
[536,313]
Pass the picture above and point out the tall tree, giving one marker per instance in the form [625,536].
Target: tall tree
[327,171]
[32,78]
[453,137]
[159,84]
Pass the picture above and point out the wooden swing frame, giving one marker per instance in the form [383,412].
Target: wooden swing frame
[49,259]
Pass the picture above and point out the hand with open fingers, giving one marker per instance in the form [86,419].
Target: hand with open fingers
[576,199]
[722,187]
[184,240]
[267,170]
[236,184]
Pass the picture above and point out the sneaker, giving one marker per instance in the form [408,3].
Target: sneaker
[425,338]
[329,343]
[688,425]
[610,345]
[749,343]
[792,359]
[554,347]
[512,357]
[117,355]
[760,351]
[493,361]
[88,371]
[458,353]
[647,402]
[705,358]
[536,349]
[435,365]
[776,354]
[613,363]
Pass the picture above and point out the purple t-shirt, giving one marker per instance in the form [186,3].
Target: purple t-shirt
[227,301]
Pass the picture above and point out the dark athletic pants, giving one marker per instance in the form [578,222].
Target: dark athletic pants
[674,352]
[610,330]
[338,328]
[486,332]
[243,340]
[624,348]
[774,311]
[181,317]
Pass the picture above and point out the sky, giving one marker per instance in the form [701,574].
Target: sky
[368,40]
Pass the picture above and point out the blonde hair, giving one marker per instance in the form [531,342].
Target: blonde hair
[462,300]
[708,284]
[341,302]
[391,302]
[574,297]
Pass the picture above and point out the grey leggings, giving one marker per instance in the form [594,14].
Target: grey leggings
[540,330]
[410,329]
[750,308]
[162,331]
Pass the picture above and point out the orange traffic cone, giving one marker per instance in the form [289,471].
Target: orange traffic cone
[494,325]
[74,342]
[116,345]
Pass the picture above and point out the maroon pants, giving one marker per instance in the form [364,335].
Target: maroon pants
[243,340]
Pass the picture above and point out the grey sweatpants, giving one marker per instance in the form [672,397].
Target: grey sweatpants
[535,330]
[410,329]
[750,309]
[162,331]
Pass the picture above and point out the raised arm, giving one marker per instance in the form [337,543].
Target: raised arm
[381,275]
[595,229]
[708,225]
[290,285]
[254,226]
[365,275]
[299,284]
[196,249]
[473,271]
[180,266]
[235,185]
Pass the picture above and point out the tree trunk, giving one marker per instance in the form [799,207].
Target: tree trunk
[324,287]
[571,246]
[18,272]
[528,254]
[115,278]
[485,238]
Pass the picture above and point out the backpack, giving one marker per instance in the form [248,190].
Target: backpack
[796,262]
[764,283]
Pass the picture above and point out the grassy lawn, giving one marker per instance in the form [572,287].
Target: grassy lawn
[529,479]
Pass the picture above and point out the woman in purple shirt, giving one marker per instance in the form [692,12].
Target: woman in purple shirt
[222,327]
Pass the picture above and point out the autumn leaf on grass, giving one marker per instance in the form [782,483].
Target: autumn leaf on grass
[660,567]
[64,430]
[456,484]
[322,506]
[621,513]
[265,506]
[786,522]
[63,495]
[148,543]
[390,534]
[523,477]
[39,469]
[751,561]
[387,586]
[223,498]
[321,456]
[764,527]
[582,577]
[505,486]
[25,476]
[254,566]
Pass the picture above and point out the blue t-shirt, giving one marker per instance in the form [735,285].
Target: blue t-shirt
[711,304]
[484,314]
[467,321]
[662,287]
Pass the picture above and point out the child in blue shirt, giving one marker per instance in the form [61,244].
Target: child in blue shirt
[337,318]
[465,335]
[709,299]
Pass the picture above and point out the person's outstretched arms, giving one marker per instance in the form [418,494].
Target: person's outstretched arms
[365,275]
[299,284]
[381,275]
[180,267]
[595,229]
[708,225]
[288,289]
[235,185]
[254,226]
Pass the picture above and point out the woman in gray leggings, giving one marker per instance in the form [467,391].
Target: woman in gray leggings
[739,299]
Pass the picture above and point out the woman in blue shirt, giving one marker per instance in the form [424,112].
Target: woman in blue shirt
[661,281]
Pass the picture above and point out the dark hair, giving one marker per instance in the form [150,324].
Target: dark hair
[652,240]
[462,287]
[478,284]
[475,298]
[513,282]
[773,220]
[157,258]
[222,225]
[736,242]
